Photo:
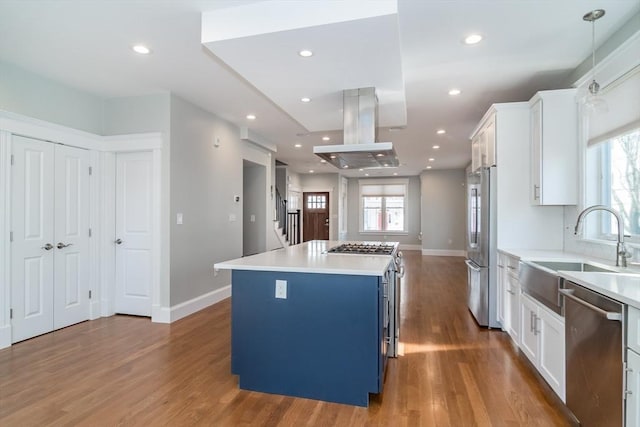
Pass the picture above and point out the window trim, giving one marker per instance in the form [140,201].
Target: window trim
[397,181]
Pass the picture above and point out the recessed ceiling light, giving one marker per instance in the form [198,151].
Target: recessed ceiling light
[395,173]
[251,117]
[305,53]
[441,132]
[298,145]
[473,39]
[323,161]
[380,155]
[311,171]
[141,49]
[333,156]
[305,99]
[428,167]
[435,147]
[366,174]
[345,167]
[385,165]
[431,159]
[360,170]
[326,138]
[454,92]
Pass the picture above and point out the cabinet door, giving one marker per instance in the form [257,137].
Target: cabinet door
[633,389]
[489,136]
[513,309]
[536,153]
[476,156]
[528,328]
[552,350]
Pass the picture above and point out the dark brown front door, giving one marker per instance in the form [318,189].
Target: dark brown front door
[315,216]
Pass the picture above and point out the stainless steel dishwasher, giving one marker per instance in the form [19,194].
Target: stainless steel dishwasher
[594,356]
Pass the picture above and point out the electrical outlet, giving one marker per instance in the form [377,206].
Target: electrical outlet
[281,289]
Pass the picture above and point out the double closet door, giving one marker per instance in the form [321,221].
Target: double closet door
[50,247]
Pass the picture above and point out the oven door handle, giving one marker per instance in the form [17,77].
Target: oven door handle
[472,265]
[610,315]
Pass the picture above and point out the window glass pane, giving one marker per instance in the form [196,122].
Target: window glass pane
[394,213]
[372,213]
[625,180]
[612,178]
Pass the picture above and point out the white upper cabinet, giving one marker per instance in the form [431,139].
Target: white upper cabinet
[483,144]
[554,147]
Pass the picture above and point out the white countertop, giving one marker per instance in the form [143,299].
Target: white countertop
[311,257]
[623,286]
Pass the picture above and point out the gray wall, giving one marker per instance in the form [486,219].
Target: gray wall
[443,209]
[413,214]
[138,114]
[32,95]
[324,182]
[253,203]
[204,180]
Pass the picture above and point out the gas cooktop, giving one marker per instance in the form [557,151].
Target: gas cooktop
[364,248]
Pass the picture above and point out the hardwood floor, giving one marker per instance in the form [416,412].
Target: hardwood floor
[128,371]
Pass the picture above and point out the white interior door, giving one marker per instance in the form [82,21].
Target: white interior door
[71,213]
[133,233]
[32,249]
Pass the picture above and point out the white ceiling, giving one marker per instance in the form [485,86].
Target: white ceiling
[527,46]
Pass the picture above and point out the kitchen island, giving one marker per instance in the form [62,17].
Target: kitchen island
[311,324]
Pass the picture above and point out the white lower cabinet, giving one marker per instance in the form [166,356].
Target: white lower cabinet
[542,341]
[632,417]
[512,306]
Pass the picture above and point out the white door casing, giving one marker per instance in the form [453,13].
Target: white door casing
[32,265]
[134,231]
[71,213]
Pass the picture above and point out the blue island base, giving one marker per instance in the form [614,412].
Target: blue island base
[324,341]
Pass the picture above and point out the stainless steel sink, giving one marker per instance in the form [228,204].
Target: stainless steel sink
[573,266]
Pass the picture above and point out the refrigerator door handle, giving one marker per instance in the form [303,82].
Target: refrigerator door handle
[472,265]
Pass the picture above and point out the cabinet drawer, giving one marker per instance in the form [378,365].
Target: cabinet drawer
[633,329]
[513,266]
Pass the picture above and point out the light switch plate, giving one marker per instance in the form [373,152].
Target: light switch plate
[281,289]
[179,218]
[253,218]
[232,217]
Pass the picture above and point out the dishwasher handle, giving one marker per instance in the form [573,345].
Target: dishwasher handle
[472,265]
[610,315]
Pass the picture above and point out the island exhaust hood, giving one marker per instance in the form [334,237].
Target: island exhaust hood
[359,151]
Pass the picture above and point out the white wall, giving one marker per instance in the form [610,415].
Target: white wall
[443,211]
[413,214]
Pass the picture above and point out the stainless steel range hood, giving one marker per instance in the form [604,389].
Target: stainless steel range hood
[359,151]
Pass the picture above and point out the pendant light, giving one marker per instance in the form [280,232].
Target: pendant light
[592,101]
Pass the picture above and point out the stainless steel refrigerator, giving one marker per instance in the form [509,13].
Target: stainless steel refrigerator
[481,246]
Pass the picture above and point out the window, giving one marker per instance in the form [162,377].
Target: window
[613,179]
[316,202]
[383,206]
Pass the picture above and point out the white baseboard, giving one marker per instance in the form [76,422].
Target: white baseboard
[106,308]
[196,304]
[407,247]
[160,314]
[5,336]
[443,252]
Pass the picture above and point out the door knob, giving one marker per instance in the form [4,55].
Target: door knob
[47,247]
[61,245]
[118,241]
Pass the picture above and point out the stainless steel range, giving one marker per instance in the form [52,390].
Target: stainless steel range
[365,248]
[391,279]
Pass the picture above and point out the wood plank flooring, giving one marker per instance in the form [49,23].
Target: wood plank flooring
[126,370]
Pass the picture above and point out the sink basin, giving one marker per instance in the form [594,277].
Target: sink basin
[573,266]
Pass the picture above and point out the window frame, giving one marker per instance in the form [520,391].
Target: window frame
[383,182]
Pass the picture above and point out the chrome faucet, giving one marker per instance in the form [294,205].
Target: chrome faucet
[621,250]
